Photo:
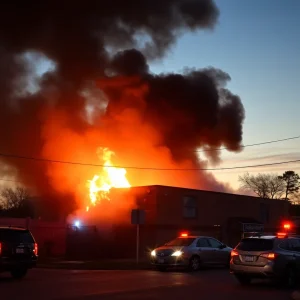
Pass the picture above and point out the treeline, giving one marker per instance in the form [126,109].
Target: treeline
[19,202]
[285,186]
[16,203]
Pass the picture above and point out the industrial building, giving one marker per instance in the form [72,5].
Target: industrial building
[171,210]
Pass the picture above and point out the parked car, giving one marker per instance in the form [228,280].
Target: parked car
[18,251]
[192,252]
[276,257]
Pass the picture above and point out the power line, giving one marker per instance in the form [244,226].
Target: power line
[250,145]
[146,168]
[10,180]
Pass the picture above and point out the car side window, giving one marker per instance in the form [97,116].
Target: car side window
[202,242]
[285,245]
[295,243]
[214,243]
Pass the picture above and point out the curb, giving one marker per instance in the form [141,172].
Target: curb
[93,266]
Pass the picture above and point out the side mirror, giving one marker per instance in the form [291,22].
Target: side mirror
[222,246]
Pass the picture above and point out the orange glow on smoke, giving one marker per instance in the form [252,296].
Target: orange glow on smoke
[124,138]
[109,177]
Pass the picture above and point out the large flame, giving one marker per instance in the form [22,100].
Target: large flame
[109,177]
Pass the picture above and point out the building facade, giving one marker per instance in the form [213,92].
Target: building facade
[168,212]
[171,210]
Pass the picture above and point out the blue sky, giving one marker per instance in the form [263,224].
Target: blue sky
[258,43]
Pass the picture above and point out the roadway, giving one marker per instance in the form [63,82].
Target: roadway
[217,284]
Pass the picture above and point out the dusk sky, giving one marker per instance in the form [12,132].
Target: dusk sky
[258,44]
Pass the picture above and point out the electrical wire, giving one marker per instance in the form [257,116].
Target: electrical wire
[146,168]
[162,169]
[10,180]
[250,145]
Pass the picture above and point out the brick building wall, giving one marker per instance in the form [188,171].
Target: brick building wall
[206,211]
[195,207]
[170,210]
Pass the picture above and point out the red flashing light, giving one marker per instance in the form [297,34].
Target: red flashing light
[184,234]
[287,226]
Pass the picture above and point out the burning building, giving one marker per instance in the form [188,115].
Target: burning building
[172,210]
[99,97]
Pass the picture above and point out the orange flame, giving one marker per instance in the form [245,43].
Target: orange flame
[109,177]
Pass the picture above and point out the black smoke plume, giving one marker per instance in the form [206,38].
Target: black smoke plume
[101,44]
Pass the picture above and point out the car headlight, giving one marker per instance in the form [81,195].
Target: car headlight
[177,253]
[153,253]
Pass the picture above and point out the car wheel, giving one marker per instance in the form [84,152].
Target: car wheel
[243,279]
[19,273]
[227,266]
[290,279]
[194,263]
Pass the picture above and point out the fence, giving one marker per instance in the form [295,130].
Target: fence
[50,236]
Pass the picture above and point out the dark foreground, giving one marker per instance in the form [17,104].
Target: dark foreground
[89,285]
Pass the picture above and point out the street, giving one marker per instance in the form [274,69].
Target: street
[89,285]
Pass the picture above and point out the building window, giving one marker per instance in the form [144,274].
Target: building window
[189,207]
[264,213]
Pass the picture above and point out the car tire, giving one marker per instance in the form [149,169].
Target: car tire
[227,266]
[19,273]
[290,279]
[195,263]
[243,279]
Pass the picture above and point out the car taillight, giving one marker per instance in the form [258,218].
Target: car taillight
[234,253]
[0,248]
[270,256]
[35,250]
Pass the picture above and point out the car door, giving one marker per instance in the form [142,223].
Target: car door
[295,247]
[205,251]
[220,255]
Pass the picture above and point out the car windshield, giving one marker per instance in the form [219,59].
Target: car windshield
[258,244]
[15,236]
[180,242]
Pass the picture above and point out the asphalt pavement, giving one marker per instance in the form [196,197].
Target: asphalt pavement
[215,284]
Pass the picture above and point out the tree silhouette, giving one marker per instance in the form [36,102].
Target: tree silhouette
[263,185]
[16,202]
[292,183]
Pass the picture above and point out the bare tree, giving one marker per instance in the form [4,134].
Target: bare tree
[263,185]
[14,198]
[276,187]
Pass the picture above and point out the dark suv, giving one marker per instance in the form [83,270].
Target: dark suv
[268,256]
[18,251]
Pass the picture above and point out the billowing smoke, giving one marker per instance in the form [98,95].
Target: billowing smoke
[100,92]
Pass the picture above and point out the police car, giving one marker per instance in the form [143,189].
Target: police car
[192,252]
[272,256]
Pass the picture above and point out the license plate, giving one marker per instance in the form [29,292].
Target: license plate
[19,250]
[249,258]
[160,260]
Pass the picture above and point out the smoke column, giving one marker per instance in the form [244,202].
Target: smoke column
[100,92]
